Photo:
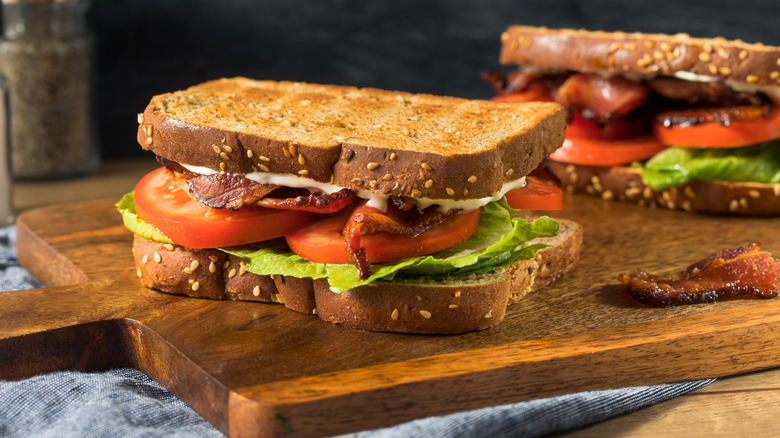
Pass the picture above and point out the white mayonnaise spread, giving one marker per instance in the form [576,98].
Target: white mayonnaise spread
[374,200]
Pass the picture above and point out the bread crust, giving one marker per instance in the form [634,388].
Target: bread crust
[640,53]
[377,141]
[426,306]
[623,183]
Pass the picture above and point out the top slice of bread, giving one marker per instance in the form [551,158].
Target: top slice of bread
[641,53]
[386,142]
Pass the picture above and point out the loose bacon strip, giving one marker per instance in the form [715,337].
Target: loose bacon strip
[728,273]
[715,93]
[601,99]
[368,220]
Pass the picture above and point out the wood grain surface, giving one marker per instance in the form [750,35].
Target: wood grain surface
[258,369]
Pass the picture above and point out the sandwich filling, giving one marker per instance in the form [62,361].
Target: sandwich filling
[331,232]
[675,128]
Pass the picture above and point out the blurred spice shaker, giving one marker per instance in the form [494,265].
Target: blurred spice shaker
[6,191]
[46,59]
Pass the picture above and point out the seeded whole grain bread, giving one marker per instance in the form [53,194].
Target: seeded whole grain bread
[623,183]
[640,53]
[426,306]
[384,142]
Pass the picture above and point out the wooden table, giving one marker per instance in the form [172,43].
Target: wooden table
[732,405]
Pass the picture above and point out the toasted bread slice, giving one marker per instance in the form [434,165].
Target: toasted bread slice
[422,305]
[623,183]
[640,54]
[385,142]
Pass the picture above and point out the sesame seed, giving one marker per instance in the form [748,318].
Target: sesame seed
[449,191]
[723,53]
[495,165]
[216,149]
[665,46]
[755,194]
[194,265]
[743,54]
[388,177]
[429,184]
[263,167]
[705,57]
[453,306]
[457,294]
[743,202]
[222,166]
[212,267]
[509,172]
[425,166]
[149,140]
[196,285]
[733,205]
[241,269]
[301,160]
[725,71]
[372,165]
[633,192]
[187,270]
[140,118]
[713,69]
[774,75]
[751,79]
[707,47]
[226,264]
[145,258]
[425,314]
[256,291]
[465,192]
[232,273]
[286,153]
[292,150]
[472,179]
[392,156]
[168,246]
[778,61]
[303,172]
[607,195]
[264,158]
[659,55]
[357,181]
[157,257]
[416,193]
[138,272]
[224,155]
[489,314]
[372,184]
[278,298]
[649,44]
[686,205]
[394,314]
[249,154]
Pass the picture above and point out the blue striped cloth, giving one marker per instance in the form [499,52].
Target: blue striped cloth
[125,402]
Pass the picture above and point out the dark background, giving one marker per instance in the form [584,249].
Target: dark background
[146,47]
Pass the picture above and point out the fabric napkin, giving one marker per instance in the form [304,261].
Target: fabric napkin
[126,402]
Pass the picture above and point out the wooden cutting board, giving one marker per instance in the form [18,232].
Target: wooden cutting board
[256,369]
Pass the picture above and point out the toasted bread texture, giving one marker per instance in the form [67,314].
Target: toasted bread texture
[623,183]
[385,142]
[421,305]
[640,53]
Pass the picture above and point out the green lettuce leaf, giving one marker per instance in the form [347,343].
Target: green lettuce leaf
[498,241]
[676,166]
[126,207]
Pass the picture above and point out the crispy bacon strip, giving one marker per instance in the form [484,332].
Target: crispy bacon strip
[723,116]
[368,220]
[725,274]
[601,99]
[227,191]
[715,93]
[324,203]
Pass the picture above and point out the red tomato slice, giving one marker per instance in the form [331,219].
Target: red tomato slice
[189,223]
[536,195]
[322,241]
[711,135]
[595,152]
[614,130]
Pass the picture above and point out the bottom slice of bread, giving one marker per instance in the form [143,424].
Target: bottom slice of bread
[420,305]
[623,183]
